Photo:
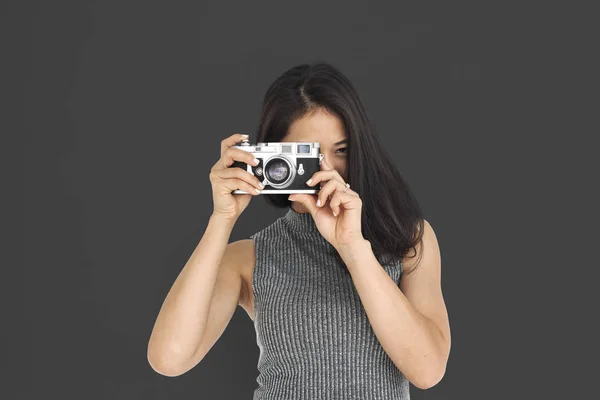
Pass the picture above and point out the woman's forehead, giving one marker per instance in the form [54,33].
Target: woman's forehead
[319,127]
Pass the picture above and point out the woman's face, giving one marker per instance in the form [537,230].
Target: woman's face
[328,130]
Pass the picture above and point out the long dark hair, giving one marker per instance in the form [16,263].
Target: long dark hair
[391,217]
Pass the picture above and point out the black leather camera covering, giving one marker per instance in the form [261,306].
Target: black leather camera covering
[310,165]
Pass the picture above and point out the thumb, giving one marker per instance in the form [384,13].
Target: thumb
[307,200]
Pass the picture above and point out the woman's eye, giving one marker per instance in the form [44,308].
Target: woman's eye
[343,148]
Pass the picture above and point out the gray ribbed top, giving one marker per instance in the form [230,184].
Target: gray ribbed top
[314,336]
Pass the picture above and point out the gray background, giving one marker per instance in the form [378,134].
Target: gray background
[123,104]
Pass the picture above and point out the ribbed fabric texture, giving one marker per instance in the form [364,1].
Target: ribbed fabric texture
[312,330]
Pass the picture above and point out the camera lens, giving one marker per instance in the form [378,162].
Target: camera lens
[280,171]
[277,171]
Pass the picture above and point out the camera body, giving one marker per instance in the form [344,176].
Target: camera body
[284,167]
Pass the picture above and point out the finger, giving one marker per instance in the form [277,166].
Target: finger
[325,166]
[343,200]
[235,184]
[321,176]
[229,173]
[232,140]
[327,190]
[231,154]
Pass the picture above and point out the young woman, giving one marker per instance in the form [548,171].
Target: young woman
[344,289]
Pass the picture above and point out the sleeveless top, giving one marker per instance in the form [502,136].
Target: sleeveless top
[313,333]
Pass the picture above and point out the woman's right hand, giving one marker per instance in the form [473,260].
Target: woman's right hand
[224,180]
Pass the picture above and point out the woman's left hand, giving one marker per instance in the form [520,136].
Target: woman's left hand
[338,213]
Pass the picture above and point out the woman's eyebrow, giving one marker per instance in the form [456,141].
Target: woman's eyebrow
[341,142]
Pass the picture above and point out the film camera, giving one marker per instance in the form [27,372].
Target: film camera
[284,167]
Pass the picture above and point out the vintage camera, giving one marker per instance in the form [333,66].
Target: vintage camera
[284,167]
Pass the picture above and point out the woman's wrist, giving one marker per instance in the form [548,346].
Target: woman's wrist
[222,220]
[354,249]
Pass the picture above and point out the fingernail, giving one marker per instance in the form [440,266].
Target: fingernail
[257,191]
[319,203]
[262,185]
[334,214]
[245,135]
[309,181]
[290,198]
[256,161]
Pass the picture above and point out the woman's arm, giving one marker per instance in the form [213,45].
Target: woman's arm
[200,303]
[410,321]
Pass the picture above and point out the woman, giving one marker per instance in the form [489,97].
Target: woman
[339,306]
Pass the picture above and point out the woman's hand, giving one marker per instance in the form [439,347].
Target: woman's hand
[337,214]
[224,180]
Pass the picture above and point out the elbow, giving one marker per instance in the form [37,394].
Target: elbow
[163,368]
[163,364]
[434,372]
[427,381]
[430,376]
